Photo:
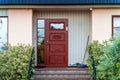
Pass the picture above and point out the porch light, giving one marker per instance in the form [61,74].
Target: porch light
[91,9]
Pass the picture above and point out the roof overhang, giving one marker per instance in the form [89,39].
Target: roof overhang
[57,6]
[59,2]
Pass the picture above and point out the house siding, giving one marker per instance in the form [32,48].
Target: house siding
[79,23]
[20,26]
[102,23]
[3,12]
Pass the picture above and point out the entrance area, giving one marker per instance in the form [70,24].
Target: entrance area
[52,49]
[60,37]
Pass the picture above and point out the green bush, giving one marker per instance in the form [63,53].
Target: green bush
[96,49]
[109,64]
[14,62]
[107,59]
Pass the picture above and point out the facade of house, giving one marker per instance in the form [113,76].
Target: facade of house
[58,29]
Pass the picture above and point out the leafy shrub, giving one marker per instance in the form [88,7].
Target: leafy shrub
[107,59]
[109,64]
[96,49]
[14,62]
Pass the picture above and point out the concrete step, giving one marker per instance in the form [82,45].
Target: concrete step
[61,79]
[62,74]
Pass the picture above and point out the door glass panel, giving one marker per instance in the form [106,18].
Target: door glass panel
[40,50]
[41,23]
[41,32]
[40,41]
[56,26]
[40,56]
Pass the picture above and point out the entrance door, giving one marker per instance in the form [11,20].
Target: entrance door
[56,42]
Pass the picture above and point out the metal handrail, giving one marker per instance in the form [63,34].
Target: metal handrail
[30,67]
[93,65]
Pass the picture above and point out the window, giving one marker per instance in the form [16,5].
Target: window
[116,26]
[3,33]
[40,41]
[57,26]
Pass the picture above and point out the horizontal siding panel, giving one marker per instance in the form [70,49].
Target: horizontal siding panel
[78,31]
[59,2]
[3,12]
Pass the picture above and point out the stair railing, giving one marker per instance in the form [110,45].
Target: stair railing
[30,66]
[93,65]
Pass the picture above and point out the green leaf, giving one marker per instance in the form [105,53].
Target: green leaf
[14,62]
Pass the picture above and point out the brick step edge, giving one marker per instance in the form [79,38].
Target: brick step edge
[62,76]
[60,79]
[44,69]
[61,73]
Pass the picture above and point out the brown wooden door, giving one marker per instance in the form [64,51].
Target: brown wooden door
[56,42]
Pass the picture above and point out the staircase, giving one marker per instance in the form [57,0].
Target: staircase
[61,74]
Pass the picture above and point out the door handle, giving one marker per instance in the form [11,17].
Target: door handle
[47,42]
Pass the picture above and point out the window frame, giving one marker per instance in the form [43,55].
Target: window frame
[113,16]
[38,37]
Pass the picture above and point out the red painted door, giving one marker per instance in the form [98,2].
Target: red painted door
[56,42]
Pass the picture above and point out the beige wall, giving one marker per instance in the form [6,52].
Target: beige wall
[20,26]
[102,23]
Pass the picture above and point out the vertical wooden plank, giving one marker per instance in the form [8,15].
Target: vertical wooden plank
[3,12]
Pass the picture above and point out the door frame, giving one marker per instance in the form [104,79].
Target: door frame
[45,62]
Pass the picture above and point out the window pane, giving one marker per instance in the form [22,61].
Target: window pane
[41,23]
[41,32]
[3,32]
[56,26]
[116,31]
[2,47]
[40,41]
[40,56]
[116,22]
[40,50]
